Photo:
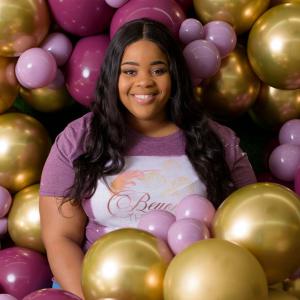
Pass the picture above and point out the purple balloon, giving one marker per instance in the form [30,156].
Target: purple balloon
[23,271]
[51,294]
[203,58]
[82,18]
[185,4]
[36,68]
[297,181]
[222,35]
[167,12]
[59,45]
[3,226]
[195,207]
[58,81]
[5,201]
[284,160]
[157,222]
[289,133]
[185,232]
[93,232]
[83,67]
[191,30]
[7,297]
[116,3]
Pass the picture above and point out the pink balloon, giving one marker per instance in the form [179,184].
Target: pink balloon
[59,45]
[3,226]
[284,160]
[195,207]
[167,12]
[289,132]
[83,67]
[82,18]
[191,30]
[51,294]
[203,58]
[5,201]
[35,68]
[157,222]
[186,232]
[7,297]
[116,3]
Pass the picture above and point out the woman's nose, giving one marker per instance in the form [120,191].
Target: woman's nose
[145,80]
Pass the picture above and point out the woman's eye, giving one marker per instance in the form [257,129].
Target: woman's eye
[159,71]
[129,72]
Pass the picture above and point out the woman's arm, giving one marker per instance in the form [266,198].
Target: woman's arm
[62,233]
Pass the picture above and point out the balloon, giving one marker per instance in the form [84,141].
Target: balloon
[3,226]
[167,12]
[83,68]
[51,294]
[185,232]
[116,3]
[195,207]
[214,269]
[59,45]
[25,145]
[278,2]
[157,222]
[268,177]
[185,4]
[203,58]
[190,30]
[293,287]
[36,68]
[222,35]
[23,271]
[129,264]
[82,18]
[5,201]
[24,225]
[280,295]
[263,218]
[7,297]
[272,45]
[240,14]
[297,181]
[9,86]
[289,133]
[273,107]
[284,160]
[23,25]
[233,89]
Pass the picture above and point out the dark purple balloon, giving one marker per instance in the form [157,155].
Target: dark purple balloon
[51,294]
[23,271]
[167,12]
[297,181]
[5,201]
[82,18]
[289,132]
[83,67]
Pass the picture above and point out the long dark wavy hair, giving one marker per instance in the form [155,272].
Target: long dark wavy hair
[106,139]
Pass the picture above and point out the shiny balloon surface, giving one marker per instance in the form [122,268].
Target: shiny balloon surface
[280,295]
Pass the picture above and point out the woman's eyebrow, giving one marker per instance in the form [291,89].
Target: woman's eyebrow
[156,62]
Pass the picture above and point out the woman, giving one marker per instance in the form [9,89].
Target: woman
[145,145]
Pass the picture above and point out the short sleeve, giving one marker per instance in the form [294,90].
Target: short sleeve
[58,173]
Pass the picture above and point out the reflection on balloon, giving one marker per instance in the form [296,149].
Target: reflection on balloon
[215,269]
[265,219]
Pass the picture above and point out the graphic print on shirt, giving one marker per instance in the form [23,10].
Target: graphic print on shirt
[145,184]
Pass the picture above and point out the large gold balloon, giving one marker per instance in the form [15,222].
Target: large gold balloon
[274,107]
[293,287]
[23,25]
[215,269]
[265,219]
[24,146]
[125,264]
[274,45]
[24,225]
[233,89]
[240,14]
[278,2]
[280,295]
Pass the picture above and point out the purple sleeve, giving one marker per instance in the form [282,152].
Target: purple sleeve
[58,172]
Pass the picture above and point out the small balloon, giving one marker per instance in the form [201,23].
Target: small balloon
[51,294]
[5,201]
[297,181]
[191,30]
[280,295]
[7,297]
[116,3]
[289,132]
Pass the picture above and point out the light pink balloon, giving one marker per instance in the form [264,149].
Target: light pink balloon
[5,201]
[116,3]
[289,132]
[7,297]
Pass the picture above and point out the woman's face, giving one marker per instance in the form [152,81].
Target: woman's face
[144,82]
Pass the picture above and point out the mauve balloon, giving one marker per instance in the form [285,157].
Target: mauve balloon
[51,294]
[190,30]
[23,271]
[289,132]
[3,227]
[5,201]
[297,181]
[7,297]
[116,3]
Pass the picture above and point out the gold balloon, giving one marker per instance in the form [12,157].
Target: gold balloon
[125,264]
[293,287]
[215,269]
[274,45]
[280,295]
[265,219]
[233,89]
[24,147]
[278,2]
[24,225]
[240,14]
[23,25]
[274,107]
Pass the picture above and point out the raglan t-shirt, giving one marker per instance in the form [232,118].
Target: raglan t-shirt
[157,175]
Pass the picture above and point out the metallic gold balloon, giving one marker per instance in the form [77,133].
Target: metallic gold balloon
[125,264]
[274,45]
[215,269]
[265,219]
[273,107]
[293,287]
[23,25]
[233,89]
[240,14]
[24,146]
[280,295]
[24,225]
[278,2]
